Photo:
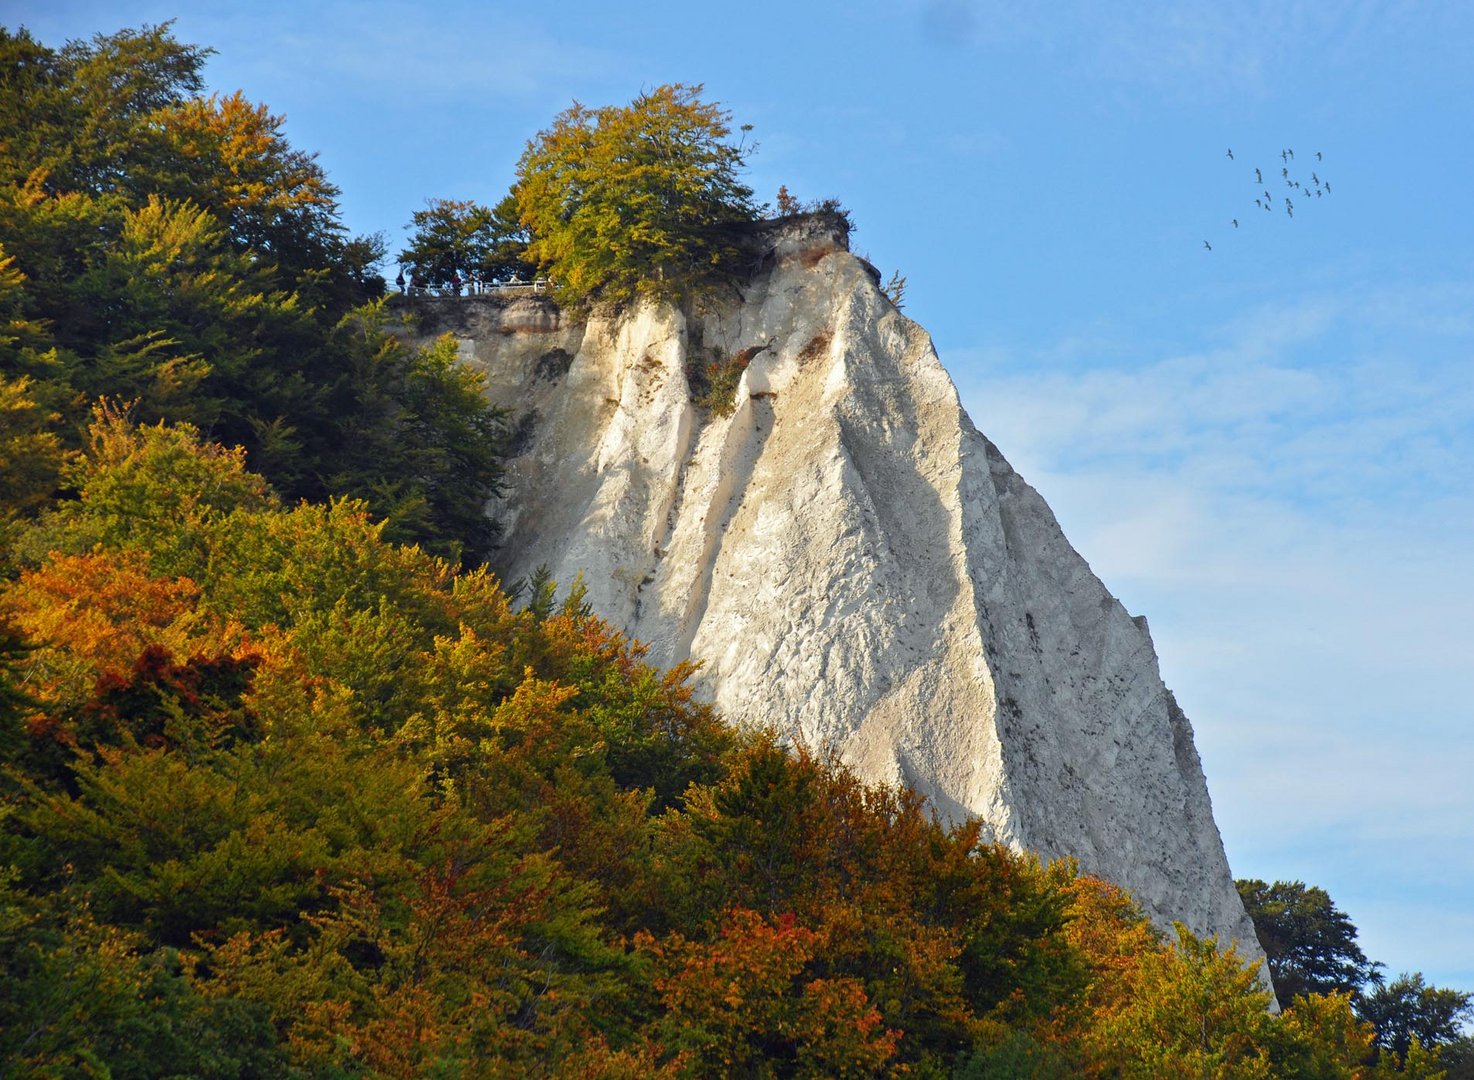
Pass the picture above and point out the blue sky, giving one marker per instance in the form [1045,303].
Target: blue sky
[1264,448]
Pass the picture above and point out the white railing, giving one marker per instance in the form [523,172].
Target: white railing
[483,288]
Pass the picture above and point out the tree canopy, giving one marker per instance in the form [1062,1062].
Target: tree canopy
[1309,942]
[635,200]
[459,237]
[283,798]
[173,250]
[287,789]
[1408,1009]
[1311,948]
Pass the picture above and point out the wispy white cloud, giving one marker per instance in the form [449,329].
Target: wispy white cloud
[468,54]
[1290,504]
[1306,403]
[1197,49]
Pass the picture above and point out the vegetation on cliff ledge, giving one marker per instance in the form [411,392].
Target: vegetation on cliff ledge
[635,200]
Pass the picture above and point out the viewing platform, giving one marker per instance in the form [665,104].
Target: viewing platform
[509,288]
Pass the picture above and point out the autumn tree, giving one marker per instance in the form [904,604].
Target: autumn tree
[636,200]
[752,1003]
[283,797]
[31,455]
[286,791]
[239,748]
[1190,1011]
[79,116]
[175,251]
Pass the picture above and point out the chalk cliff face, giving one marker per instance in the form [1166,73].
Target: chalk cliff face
[851,561]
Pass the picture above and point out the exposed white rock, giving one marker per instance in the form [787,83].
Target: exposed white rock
[853,563]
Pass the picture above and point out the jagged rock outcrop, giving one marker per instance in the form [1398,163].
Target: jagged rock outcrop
[851,561]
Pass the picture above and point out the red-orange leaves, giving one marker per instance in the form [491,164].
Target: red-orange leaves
[124,655]
[749,1003]
[161,703]
[96,613]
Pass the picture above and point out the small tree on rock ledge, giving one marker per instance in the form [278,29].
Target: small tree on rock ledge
[633,201]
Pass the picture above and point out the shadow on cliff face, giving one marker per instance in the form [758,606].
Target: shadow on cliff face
[746,437]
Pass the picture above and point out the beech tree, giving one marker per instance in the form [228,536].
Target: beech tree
[1407,1009]
[175,251]
[637,200]
[459,236]
[282,798]
[1309,942]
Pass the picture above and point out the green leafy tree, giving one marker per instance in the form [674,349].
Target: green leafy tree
[638,200]
[457,237]
[414,437]
[13,700]
[1309,942]
[174,251]
[79,998]
[1192,1012]
[1407,1009]
[230,156]
[1458,1058]
[81,116]
[1320,1038]
[121,118]
[31,455]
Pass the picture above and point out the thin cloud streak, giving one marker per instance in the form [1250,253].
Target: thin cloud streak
[1290,506]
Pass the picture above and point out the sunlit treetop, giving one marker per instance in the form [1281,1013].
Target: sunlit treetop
[635,200]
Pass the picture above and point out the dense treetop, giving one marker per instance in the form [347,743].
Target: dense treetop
[1309,942]
[634,200]
[461,239]
[172,250]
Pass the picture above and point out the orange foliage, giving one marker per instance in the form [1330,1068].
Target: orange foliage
[95,615]
[749,1003]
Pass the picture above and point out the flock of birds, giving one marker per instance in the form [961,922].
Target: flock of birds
[1317,188]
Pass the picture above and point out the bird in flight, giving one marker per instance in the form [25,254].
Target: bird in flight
[1328,186]
[1207,245]
[1268,202]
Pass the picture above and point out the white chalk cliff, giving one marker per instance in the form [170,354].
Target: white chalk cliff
[851,561]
